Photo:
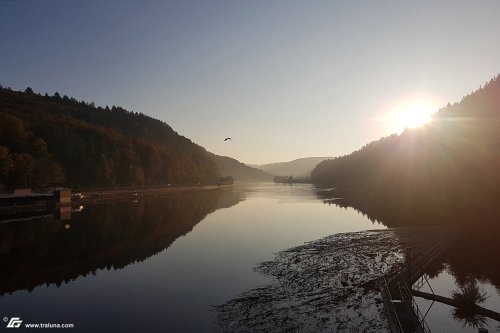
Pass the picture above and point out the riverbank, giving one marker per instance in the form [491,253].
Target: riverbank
[147,192]
[35,205]
[331,284]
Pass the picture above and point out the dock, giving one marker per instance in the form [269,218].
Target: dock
[25,205]
[401,309]
[449,301]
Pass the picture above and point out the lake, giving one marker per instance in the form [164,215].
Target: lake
[159,264]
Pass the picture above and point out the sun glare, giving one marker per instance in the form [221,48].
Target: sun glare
[412,114]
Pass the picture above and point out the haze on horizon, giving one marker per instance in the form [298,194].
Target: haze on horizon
[284,80]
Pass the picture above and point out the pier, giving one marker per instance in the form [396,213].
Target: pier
[401,309]
[25,204]
[449,301]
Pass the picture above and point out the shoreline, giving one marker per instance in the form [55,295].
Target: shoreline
[145,192]
[43,202]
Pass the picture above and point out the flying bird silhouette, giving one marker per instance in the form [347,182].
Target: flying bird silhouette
[228,139]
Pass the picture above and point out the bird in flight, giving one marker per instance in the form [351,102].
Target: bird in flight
[228,139]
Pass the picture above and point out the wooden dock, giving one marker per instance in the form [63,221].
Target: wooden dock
[400,307]
[449,301]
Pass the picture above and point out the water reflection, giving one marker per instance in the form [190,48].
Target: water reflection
[466,297]
[471,259]
[469,273]
[56,249]
[474,252]
[176,288]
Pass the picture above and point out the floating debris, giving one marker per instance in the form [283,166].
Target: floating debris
[328,285]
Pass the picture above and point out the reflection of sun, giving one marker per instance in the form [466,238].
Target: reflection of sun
[412,114]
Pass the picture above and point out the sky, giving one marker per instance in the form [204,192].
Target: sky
[283,79]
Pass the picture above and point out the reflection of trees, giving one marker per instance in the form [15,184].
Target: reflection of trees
[102,236]
[435,268]
[474,252]
[466,297]
[474,255]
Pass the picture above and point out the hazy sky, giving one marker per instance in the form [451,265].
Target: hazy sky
[284,79]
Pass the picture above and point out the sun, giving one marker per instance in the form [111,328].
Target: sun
[412,114]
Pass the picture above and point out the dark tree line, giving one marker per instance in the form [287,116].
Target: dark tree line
[291,179]
[54,140]
[24,157]
[444,172]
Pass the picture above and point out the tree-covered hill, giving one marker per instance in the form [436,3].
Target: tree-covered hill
[54,140]
[444,172]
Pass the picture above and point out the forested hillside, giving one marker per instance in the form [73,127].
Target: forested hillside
[54,140]
[444,172]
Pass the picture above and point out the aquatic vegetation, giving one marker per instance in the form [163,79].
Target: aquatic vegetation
[328,285]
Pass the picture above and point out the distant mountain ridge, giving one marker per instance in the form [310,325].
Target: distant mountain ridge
[239,171]
[300,167]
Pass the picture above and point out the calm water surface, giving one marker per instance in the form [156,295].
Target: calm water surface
[160,265]
[157,265]
[440,316]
